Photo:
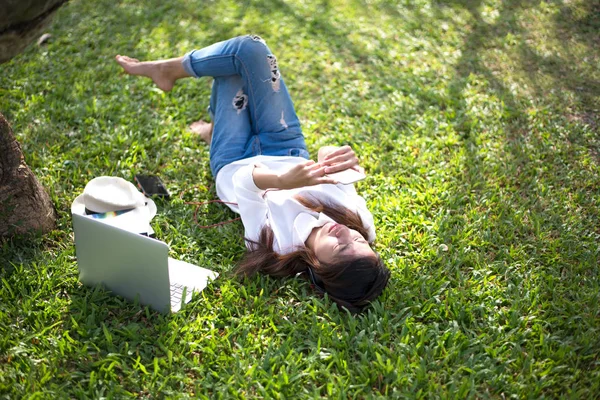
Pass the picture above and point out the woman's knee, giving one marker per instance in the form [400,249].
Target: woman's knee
[252,47]
[259,54]
[258,39]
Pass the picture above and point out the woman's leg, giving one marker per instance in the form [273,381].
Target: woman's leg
[257,98]
[263,92]
[232,137]
[164,73]
[203,129]
[271,108]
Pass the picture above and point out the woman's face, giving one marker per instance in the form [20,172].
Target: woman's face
[332,242]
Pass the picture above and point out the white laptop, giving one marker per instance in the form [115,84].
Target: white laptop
[135,266]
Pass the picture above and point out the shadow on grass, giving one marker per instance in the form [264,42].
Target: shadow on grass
[317,24]
[563,68]
[21,250]
[530,214]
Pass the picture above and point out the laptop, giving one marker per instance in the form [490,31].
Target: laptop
[135,266]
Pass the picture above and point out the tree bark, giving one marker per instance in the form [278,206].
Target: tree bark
[24,205]
[22,22]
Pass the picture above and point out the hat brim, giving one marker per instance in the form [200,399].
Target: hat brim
[78,206]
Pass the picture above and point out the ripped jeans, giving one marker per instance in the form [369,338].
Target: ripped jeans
[252,111]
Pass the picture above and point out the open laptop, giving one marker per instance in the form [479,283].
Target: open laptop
[132,265]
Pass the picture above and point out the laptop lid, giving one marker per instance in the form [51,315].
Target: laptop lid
[127,263]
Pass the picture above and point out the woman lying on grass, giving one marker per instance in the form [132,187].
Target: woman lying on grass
[297,219]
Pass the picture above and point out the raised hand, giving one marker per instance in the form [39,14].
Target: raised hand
[308,173]
[340,159]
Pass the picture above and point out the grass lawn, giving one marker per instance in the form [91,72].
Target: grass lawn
[477,122]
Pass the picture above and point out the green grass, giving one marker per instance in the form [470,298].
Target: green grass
[477,122]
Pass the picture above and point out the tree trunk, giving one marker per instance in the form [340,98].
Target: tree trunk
[22,22]
[24,205]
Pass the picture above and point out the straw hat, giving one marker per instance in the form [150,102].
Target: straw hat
[110,193]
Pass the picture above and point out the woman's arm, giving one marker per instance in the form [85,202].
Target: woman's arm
[250,182]
[307,173]
[252,206]
[264,178]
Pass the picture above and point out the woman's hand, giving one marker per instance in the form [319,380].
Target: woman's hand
[308,173]
[338,159]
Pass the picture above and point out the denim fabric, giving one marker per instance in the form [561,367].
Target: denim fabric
[252,111]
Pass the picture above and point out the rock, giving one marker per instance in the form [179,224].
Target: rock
[45,38]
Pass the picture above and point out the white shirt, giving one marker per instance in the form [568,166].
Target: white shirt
[291,222]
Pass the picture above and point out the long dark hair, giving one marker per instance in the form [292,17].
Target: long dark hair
[352,284]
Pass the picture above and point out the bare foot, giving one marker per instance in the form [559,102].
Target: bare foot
[203,129]
[158,71]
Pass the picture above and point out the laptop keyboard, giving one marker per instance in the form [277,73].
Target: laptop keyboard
[177,293]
